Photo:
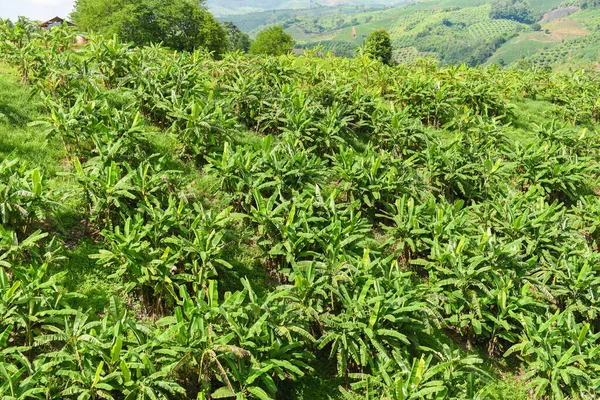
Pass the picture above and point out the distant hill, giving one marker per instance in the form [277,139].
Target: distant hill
[304,24]
[451,31]
[222,8]
[570,41]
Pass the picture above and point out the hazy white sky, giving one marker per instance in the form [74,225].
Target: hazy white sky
[35,9]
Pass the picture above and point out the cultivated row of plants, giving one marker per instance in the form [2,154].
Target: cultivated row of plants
[406,241]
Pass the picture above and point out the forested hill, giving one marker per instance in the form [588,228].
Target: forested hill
[551,33]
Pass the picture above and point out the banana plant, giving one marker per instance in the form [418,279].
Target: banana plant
[407,228]
[374,179]
[564,176]
[112,58]
[425,377]
[201,246]
[24,198]
[202,125]
[107,189]
[371,317]
[560,355]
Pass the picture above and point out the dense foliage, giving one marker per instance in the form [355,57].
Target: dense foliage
[406,240]
[178,24]
[238,40]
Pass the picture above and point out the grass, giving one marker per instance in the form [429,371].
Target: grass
[528,113]
[93,282]
[17,110]
[19,138]
[509,388]
[540,6]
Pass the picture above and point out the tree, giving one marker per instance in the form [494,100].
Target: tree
[273,41]
[590,4]
[379,46]
[516,10]
[178,24]
[238,40]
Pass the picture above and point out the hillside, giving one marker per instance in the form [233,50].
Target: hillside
[178,227]
[451,31]
[302,23]
[569,42]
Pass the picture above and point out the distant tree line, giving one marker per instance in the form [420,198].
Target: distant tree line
[516,10]
[184,25]
[472,53]
[178,24]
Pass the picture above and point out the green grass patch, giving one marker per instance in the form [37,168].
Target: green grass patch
[19,108]
[88,279]
[528,113]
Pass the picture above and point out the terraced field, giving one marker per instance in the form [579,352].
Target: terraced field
[492,28]
[408,55]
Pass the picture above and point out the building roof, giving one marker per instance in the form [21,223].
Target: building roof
[54,22]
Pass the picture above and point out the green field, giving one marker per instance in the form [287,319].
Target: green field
[252,22]
[232,8]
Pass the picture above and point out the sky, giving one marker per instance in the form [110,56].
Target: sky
[41,10]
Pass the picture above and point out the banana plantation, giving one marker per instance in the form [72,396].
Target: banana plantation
[406,232]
